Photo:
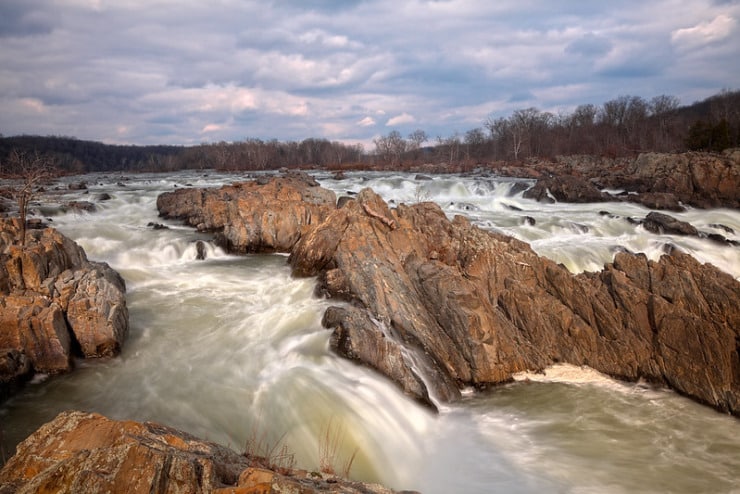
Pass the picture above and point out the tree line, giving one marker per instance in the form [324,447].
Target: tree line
[624,126]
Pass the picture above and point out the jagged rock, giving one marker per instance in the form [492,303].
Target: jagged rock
[565,189]
[476,307]
[84,452]
[253,217]
[53,300]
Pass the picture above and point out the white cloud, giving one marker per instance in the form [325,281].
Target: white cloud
[403,118]
[705,32]
[366,122]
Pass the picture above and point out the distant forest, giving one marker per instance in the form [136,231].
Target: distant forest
[620,127]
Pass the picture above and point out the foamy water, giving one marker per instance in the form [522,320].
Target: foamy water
[231,349]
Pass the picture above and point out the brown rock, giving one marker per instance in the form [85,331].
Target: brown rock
[51,295]
[80,452]
[252,216]
[566,188]
[475,307]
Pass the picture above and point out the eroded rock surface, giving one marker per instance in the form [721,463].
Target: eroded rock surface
[475,307]
[660,180]
[256,216]
[81,452]
[54,301]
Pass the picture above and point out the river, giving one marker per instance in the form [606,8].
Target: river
[231,349]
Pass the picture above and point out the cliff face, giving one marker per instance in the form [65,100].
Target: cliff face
[81,452]
[54,302]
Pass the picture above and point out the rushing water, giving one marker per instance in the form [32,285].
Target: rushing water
[231,349]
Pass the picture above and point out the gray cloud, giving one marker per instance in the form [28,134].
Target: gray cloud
[147,71]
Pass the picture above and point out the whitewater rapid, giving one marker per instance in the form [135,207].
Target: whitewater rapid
[232,349]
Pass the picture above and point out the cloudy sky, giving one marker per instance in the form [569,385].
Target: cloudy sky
[191,71]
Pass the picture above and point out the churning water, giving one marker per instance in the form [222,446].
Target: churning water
[231,349]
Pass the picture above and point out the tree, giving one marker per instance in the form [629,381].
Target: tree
[391,147]
[29,171]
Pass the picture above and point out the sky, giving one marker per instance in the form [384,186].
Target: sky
[192,71]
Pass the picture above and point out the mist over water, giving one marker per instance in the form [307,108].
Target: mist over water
[231,349]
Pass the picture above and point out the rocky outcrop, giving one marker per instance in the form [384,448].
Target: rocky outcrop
[656,180]
[53,303]
[256,216]
[472,308]
[82,452]
[565,189]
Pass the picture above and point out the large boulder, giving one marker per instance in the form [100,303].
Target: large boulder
[82,452]
[255,216]
[472,308]
[53,301]
[565,188]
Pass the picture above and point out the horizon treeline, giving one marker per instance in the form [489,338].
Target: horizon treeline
[624,126]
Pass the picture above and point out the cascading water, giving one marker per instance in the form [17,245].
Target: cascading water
[231,349]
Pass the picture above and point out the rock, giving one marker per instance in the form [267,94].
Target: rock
[157,226]
[15,368]
[103,196]
[662,223]
[565,189]
[475,307]
[54,301]
[657,200]
[200,249]
[78,186]
[85,206]
[84,452]
[253,217]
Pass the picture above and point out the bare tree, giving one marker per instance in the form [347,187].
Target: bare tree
[29,171]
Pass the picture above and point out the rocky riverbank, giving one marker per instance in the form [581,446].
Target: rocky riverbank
[83,452]
[656,180]
[472,308]
[54,305]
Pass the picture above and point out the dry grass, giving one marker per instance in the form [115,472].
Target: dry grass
[274,455]
[330,444]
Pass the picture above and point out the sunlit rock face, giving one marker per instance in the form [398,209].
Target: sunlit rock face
[255,216]
[53,303]
[441,304]
[85,452]
[477,307]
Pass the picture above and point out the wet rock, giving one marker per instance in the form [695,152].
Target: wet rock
[200,250]
[55,302]
[78,186]
[15,369]
[475,307]
[565,189]
[253,216]
[420,177]
[662,223]
[157,226]
[84,206]
[103,196]
[528,220]
[720,226]
[84,452]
